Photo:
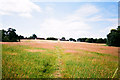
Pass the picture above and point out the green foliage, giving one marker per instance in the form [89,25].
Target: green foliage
[51,38]
[33,36]
[91,40]
[21,37]
[9,35]
[63,39]
[113,38]
[113,30]
[94,40]
[71,39]
[81,39]
[100,40]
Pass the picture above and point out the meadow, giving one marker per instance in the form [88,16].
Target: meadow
[53,59]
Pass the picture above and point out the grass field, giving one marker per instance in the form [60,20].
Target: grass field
[52,59]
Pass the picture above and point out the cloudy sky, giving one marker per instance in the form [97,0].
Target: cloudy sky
[59,18]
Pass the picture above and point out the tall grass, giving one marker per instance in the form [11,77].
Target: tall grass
[91,65]
[19,63]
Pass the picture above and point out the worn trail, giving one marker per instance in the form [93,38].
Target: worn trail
[59,52]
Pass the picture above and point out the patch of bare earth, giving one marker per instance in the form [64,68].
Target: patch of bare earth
[34,50]
[38,44]
[71,51]
[69,46]
[11,53]
[72,47]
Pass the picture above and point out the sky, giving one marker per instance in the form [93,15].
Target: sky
[70,19]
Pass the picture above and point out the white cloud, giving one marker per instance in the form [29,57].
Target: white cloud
[89,13]
[72,24]
[75,25]
[21,7]
[86,10]
[49,9]
[1,26]
[63,25]
[25,15]
[5,27]
[85,13]
[107,29]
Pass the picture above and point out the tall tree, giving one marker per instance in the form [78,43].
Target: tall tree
[12,35]
[9,35]
[71,39]
[34,36]
[113,38]
[63,39]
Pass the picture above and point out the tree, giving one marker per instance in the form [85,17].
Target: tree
[100,40]
[83,39]
[90,40]
[3,35]
[51,38]
[12,35]
[79,39]
[34,36]
[113,38]
[63,39]
[21,37]
[104,40]
[9,35]
[94,40]
[71,39]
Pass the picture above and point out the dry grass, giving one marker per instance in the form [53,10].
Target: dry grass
[34,50]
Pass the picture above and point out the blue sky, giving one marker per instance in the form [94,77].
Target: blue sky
[58,19]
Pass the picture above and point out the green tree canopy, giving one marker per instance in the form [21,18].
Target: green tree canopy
[9,35]
[34,36]
[113,38]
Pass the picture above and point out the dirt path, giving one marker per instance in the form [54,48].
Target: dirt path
[59,51]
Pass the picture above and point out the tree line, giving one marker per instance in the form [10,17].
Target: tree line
[91,40]
[113,38]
